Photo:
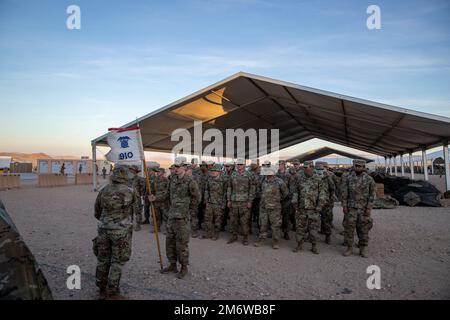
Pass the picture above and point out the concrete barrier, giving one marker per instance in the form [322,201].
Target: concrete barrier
[83,178]
[51,180]
[9,181]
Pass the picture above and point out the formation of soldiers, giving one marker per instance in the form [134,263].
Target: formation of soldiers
[200,200]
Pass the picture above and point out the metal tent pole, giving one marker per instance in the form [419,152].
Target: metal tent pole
[424,164]
[447,168]
[94,163]
[395,165]
[411,165]
[402,163]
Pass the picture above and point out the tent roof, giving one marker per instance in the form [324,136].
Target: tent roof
[323,152]
[301,113]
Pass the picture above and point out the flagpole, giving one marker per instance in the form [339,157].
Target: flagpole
[152,208]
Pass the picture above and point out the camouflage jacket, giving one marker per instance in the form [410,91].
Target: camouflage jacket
[160,188]
[216,191]
[273,192]
[241,187]
[309,193]
[330,185]
[358,191]
[140,185]
[184,195]
[115,207]
[286,177]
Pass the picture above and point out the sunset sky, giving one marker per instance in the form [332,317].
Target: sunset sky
[61,88]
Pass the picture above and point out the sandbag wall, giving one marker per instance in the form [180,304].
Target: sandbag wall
[51,180]
[83,178]
[9,181]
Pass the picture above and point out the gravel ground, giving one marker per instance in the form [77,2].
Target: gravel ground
[410,245]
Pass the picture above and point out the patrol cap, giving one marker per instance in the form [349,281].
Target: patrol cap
[267,171]
[266,163]
[210,163]
[180,161]
[172,166]
[359,162]
[281,162]
[203,163]
[318,166]
[240,162]
[229,163]
[194,161]
[308,163]
[135,168]
[253,162]
[216,167]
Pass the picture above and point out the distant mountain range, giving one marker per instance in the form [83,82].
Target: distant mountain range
[33,157]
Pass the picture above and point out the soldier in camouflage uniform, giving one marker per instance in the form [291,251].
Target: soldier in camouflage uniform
[197,212]
[254,211]
[115,207]
[194,206]
[240,194]
[326,215]
[21,278]
[358,195]
[140,185]
[183,192]
[342,185]
[273,191]
[226,174]
[160,194]
[286,202]
[308,196]
[215,192]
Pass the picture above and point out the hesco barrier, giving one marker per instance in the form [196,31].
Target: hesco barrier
[9,181]
[83,178]
[379,190]
[51,180]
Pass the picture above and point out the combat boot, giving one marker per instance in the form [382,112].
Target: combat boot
[215,236]
[314,249]
[275,245]
[298,247]
[349,251]
[183,272]
[170,269]
[363,251]
[245,241]
[146,221]
[232,239]
[327,239]
[102,294]
[194,234]
[259,243]
[137,227]
[286,236]
[114,294]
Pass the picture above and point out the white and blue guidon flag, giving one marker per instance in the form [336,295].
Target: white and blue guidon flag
[126,145]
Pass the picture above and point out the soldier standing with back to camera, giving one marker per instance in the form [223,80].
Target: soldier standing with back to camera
[115,207]
[358,194]
[240,194]
[140,185]
[308,196]
[183,191]
[160,192]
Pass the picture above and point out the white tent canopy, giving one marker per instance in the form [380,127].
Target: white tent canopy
[326,151]
[300,113]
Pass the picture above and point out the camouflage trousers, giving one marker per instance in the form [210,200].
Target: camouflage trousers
[113,250]
[272,216]
[326,219]
[239,217]
[307,225]
[213,218]
[177,240]
[194,220]
[361,221]
[286,212]
[138,216]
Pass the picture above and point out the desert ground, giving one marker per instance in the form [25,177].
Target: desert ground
[410,245]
